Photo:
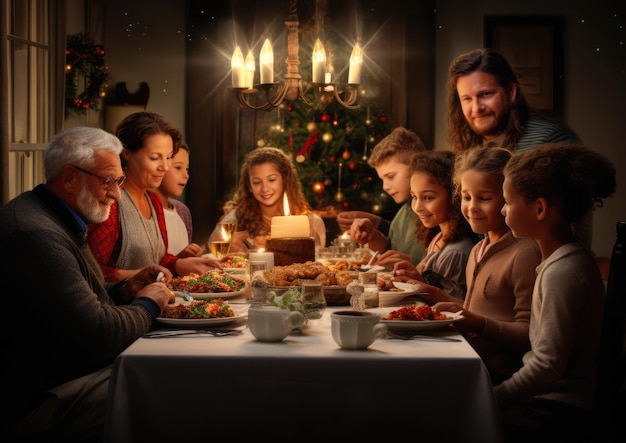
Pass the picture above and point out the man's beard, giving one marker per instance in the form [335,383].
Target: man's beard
[89,207]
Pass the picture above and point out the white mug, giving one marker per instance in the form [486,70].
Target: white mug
[271,323]
[356,329]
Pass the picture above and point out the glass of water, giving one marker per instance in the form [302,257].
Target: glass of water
[369,280]
[313,299]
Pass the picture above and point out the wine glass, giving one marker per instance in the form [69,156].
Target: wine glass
[313,300]
[219,248]
[227,230]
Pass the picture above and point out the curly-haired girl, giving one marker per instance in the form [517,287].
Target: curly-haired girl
[266,175]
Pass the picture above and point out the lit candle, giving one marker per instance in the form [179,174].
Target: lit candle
[319,62]
[267,63]
[290,226]
[249,68]
[262,255]
[356,63]
[236,64]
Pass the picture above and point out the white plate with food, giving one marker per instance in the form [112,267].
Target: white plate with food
[212,295]
[395,297]
[416,325]
[199,322]
[238,311]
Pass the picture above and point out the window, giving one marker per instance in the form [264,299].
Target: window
[29,95]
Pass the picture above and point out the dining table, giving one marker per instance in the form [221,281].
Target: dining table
[207,386]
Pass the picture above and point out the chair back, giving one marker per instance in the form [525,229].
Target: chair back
[611,370]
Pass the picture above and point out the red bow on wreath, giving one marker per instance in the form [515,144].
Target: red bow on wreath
[308,145]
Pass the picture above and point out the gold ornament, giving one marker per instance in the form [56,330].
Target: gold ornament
[300,158]
[310,126]
[339,196]
[327,137]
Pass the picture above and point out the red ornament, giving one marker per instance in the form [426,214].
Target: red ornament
[289,107]
[325,117]
[383,118]
[332,159]
[352,166]
[346,205]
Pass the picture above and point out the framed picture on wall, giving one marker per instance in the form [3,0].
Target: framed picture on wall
[533,45]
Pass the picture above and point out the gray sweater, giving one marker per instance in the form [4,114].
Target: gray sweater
[66,322]
[565,326]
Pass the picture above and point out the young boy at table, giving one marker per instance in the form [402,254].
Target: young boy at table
[441,227]
[391,158]
[546,190]
[500,270]
[177,215]
[267,174]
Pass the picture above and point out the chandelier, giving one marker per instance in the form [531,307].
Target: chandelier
[269,94]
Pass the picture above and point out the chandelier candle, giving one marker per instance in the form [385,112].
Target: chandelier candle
[319,62]
[249,69]
[267,63]
[236,63]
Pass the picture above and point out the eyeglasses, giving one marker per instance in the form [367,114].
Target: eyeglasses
[108,182]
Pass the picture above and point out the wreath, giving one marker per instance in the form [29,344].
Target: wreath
[84,60]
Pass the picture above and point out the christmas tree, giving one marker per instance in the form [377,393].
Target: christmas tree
[330,147]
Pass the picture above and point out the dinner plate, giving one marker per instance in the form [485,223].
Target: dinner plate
[416,325]
[212,295]
[374,268]
[199,322]
[394,298]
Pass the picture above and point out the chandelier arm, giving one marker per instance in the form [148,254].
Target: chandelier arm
[244,102]
[350,95]
[278,97]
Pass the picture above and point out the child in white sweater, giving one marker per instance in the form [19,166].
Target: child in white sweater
[546,189]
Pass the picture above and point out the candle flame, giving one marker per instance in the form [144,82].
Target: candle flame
[260,250]
[286,204]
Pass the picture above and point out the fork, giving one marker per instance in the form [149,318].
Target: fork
[186,295]
[392,335]
[182,332]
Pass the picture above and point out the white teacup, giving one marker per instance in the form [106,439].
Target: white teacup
[271,323]
[356,329]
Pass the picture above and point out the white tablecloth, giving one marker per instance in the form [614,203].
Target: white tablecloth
[201,388]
